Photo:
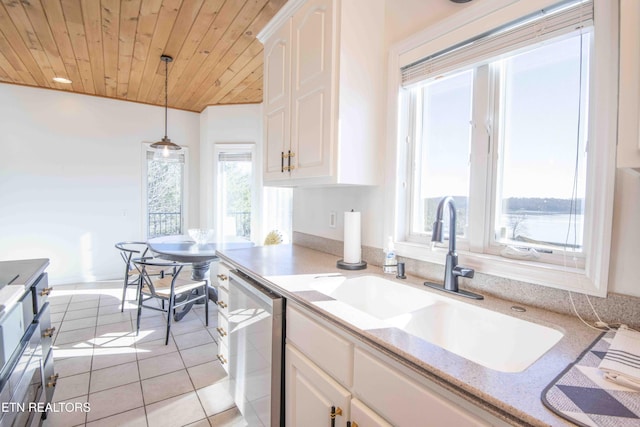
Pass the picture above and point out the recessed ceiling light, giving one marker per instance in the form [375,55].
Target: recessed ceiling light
[61,80]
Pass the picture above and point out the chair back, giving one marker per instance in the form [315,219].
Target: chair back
[129,250]
[148,266]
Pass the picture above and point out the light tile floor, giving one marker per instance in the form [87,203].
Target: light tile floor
[131,380]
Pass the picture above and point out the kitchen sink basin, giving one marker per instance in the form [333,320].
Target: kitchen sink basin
[378,297]
[488,338]
[491,339]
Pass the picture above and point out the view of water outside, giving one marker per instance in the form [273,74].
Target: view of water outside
[543,155]
[553,229]
[541,162]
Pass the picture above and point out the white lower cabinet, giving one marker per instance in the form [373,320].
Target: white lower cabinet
[311,394]
[365,386]
[222,287]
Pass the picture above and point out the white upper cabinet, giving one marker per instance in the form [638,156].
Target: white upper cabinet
[629,112]
[323,93]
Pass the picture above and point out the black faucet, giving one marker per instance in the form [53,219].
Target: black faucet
[452,271]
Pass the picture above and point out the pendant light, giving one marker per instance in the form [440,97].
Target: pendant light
[165,145]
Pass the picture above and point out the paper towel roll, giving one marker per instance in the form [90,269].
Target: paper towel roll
[352,248]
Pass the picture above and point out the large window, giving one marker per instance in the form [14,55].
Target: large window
[505,123]
[164,194]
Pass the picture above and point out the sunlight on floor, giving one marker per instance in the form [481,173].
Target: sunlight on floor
[135,379]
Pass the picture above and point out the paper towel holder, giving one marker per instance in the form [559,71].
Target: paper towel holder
[351,265]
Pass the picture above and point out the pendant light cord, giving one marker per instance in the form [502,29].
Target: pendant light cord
[166,94]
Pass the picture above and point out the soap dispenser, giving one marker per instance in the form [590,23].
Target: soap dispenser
[390,261]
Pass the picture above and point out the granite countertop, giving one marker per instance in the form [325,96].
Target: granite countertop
[15,278]
[514,397]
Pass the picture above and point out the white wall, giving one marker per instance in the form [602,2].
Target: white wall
[70,177]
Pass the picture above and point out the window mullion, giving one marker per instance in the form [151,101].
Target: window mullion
[480,159]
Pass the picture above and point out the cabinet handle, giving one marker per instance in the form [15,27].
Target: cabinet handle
[282,162]
[222,277]
[53,381]
[335,411]
[222,304]
[48,332]
[221,359]
[46,291]
[221,331]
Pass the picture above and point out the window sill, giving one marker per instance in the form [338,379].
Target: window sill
[554,276]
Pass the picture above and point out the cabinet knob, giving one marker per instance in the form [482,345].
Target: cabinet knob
[222,304]
[221,331]
[221,359]
[222,277]
[46,291]
[48,332]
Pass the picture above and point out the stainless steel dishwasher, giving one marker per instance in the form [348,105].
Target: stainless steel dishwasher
[255,348]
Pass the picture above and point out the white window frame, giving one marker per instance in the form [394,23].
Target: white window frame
[472,21]
[146,148]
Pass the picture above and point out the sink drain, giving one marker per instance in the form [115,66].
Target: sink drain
[518,308]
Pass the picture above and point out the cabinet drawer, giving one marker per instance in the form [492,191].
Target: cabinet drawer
[223,356]
[326,349]
[41,291]
[223,301]
[222,330]
[222,277]
[401,400]
[49,376]
[46,331]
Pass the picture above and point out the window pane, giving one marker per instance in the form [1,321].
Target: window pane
[235,177]
[442,150]
[541,185]
[164,197]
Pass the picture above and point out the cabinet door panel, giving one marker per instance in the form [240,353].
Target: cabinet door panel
[310,51]
[312,89]
[277,72]
[310,393]
[276,134]
[310,130]
[277,102]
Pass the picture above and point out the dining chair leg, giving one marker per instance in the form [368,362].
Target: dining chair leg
[124,287]
[169,316]
[139,305]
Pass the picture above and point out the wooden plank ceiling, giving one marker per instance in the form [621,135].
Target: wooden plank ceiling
[112,48]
